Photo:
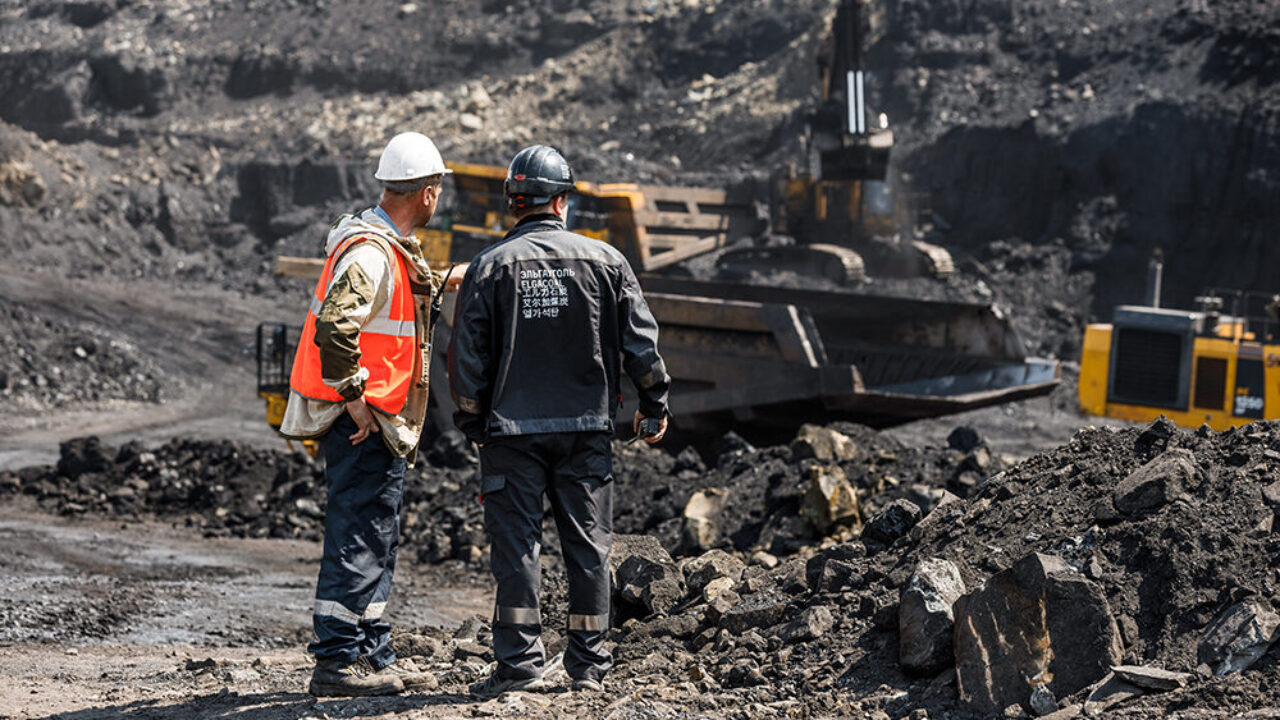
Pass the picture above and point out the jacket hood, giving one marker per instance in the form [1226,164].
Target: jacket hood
[369,223]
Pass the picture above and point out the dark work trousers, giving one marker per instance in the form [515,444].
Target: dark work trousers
[361,534]
[575,472]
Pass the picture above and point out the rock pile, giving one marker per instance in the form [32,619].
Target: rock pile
[750,499]
[219,486]
[779,499]
[1036,595]
[48,363]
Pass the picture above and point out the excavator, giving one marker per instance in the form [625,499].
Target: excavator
[841,209]
[760,358]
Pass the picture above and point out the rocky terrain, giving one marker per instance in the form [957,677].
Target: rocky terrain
[1129,573]
[750,496]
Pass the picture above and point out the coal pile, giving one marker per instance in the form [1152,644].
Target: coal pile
[1128,573]
[226,488]
[746,498]
[221,487]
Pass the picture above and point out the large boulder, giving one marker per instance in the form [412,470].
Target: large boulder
[1156,483]
[758,611]
[926,621]
[813,623]
[83,455]
[1151,678]
[710,566]
[626,546]
[1037,623]
[1155,436]
[835,568]
[699,530]
[814,442]
[654,586]
[1238,636]
[688,461]
[892,522]
[830,499]
[644,575]
[729,446]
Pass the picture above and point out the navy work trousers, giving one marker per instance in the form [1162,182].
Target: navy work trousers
[574,471]
[361,534]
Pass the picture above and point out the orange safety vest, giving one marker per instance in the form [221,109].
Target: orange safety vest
[387,339]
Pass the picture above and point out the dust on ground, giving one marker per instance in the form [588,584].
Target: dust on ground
[104,618]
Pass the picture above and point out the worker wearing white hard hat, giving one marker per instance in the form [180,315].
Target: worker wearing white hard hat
[408,157]
[359,387]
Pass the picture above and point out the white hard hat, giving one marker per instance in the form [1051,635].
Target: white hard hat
[410,156]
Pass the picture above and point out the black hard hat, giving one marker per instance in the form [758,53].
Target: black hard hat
[536,174]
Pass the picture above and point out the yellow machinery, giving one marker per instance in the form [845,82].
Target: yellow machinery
[653,226]
[1195,367]
[275,362]
[751,357]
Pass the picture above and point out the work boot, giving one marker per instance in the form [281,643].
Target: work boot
[334,678]
[587,684]
[414,679]
[495,685]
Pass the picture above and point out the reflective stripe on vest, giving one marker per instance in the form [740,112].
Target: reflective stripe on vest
[378,325]
[387,340]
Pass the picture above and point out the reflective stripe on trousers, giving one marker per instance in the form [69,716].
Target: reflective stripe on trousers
[519,616]
[361,536]
[336,610]
[592,623]
[573,470]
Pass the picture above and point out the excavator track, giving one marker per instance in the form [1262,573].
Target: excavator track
[937,259]
[831,262]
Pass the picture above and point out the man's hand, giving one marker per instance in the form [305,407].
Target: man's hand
[635,427]
[365,424]
[454,279]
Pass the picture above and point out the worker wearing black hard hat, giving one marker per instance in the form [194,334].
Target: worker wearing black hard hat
[546,322]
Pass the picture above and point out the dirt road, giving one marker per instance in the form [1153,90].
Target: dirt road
[106,620]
